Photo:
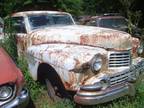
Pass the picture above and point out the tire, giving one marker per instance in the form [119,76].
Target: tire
[52,92]
[55,88]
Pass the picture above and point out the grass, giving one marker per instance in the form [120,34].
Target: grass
[42,101]
[34,87]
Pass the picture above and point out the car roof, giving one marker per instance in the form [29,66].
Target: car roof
[101,16]
[105,17]
[25,13]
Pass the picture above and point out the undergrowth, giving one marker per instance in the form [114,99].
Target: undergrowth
[34,87]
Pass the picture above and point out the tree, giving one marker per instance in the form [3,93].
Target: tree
[93,7]
[133,16]
[10,6]
[71,6]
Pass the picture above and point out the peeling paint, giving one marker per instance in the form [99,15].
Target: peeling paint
[70,50]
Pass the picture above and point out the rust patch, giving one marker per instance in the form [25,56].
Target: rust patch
[77,61]
[67,85]
[135,45]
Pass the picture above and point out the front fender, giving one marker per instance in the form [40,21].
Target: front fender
[63,58]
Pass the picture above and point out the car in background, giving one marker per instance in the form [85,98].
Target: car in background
[111,20]
[1,27]
[13,94]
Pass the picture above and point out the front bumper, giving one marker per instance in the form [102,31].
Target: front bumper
[86,97]
[20,101]
[105,96]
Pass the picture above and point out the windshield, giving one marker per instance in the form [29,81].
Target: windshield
[113,23]
[47,20]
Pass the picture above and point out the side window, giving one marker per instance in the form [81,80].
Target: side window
[18,24]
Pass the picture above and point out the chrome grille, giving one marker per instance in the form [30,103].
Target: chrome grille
[119,59]
[121,77]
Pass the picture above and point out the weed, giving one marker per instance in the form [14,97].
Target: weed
[9,41]
[34,87]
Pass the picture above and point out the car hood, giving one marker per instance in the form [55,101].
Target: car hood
[84,35]
[8,70]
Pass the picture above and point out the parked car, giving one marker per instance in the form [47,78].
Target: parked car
[97,64]
[111,20]
[1,28]
[13,94]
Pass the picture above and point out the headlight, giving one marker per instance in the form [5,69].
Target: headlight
[5,92]
[96,63]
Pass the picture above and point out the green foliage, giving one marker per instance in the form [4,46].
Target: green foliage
[62,104]
[7,6]
[75,7]
[125,7]
[133,16]
[93,7]
[71,6]
[10,6]
[34,87]
[9,42]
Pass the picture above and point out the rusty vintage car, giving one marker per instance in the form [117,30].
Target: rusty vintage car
[13,94]
[97,64]
[113,21]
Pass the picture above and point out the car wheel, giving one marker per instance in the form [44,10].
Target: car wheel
[52,91]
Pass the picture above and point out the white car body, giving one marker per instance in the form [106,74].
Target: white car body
[71,50]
